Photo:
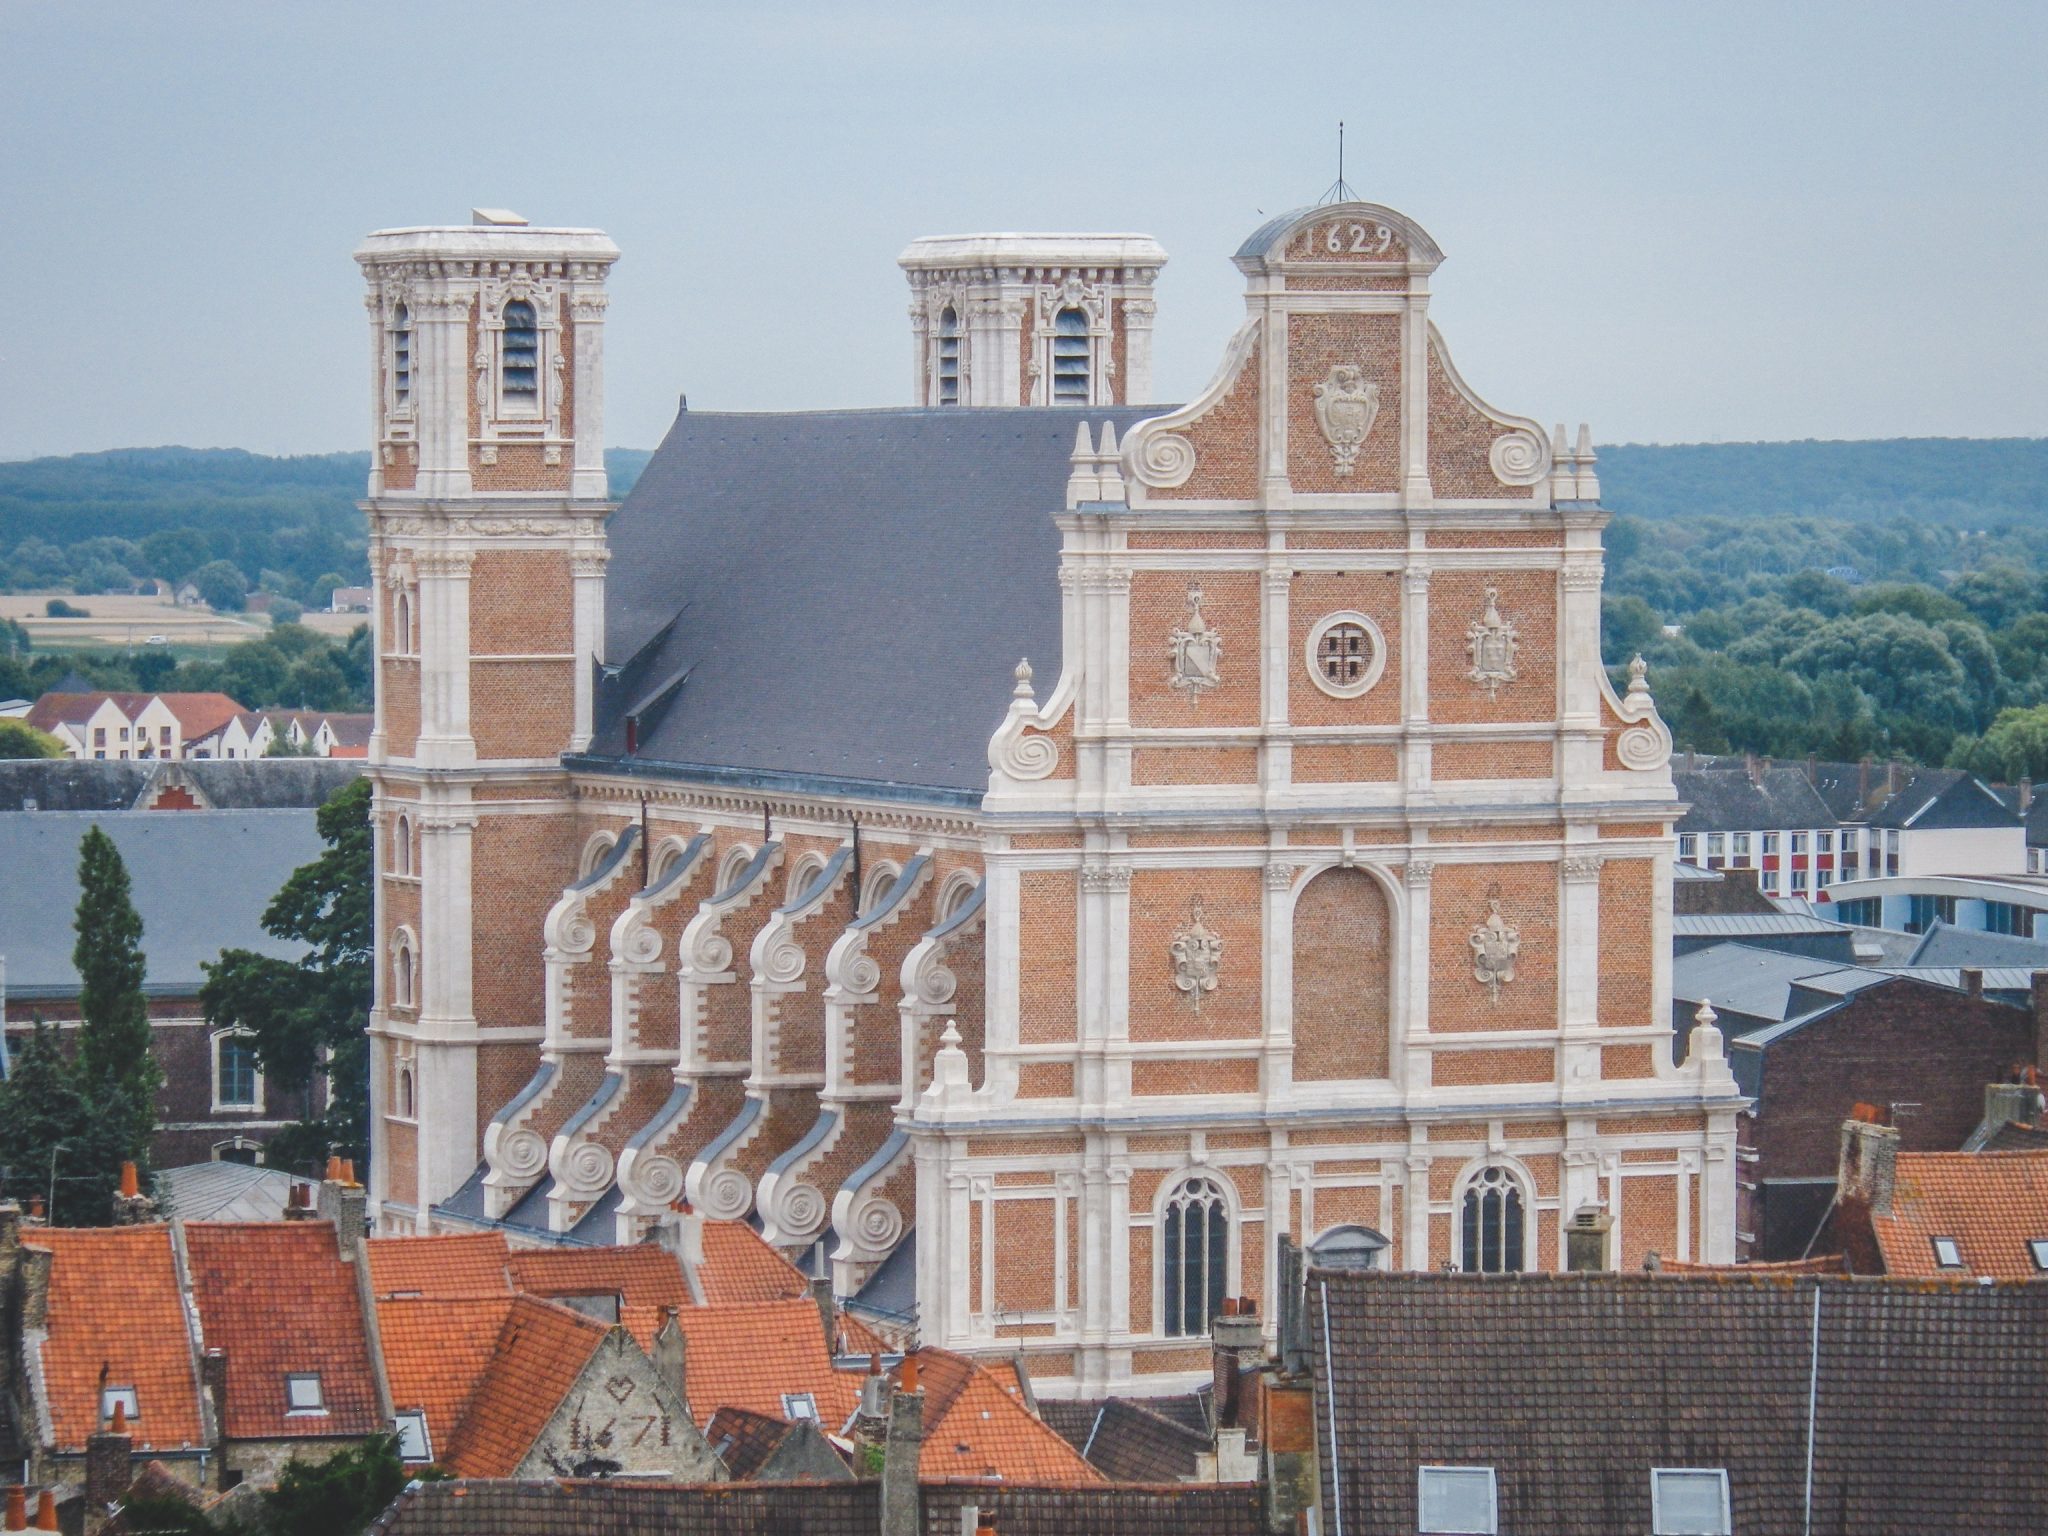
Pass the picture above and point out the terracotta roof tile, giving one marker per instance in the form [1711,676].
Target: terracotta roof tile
[538,1354]
[641,1275]
[744,1439]
[200,713]
[857,1338]
[114,1302]
[436,1351]
[1993,1204]
[465,1264]
[739,1267]
[280,1299]
[749,1356]
[975,1427]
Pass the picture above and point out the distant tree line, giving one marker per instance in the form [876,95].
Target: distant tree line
[290,667]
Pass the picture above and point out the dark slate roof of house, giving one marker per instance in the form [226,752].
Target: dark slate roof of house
[1129,1443]
[267,783]
[1743,979]
[199,879]
[2014,1136]
[1945,945]
[1572,1387]
[1944,798]
[1728,800]
[837,595]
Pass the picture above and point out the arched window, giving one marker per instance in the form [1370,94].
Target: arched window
[521,356]
[1070,358]
[1194,1256]
[238,1150]
[1491,1227]
[405,971]
[401,622]
[595,852]
[734,865]
[401,845]
[949,356]
[235,1080]
[401,357]
[877,884]
[405,1099]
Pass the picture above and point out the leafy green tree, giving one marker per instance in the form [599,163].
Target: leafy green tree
[2015,747]
[174,553]
[339,1496]
[284,611]
[299,1010]
[113,1034]
[1628,625]
[1911,600]
[221,586]
[20,739]
[57,608]
[1998,594]
[42,1113]
[14,639]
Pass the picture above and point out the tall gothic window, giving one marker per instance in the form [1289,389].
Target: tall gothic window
[1194,1252]
[401,356]
[1070,358]
[1492,1224]
[949,356]
[522,352]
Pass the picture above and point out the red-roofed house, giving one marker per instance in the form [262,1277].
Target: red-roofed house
[977,1426]
[1938,1215]
[118,726]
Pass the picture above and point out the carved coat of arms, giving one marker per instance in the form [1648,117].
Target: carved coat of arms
[1197,955]
[1346,405]
[1495,943]
[1491,641]
[1195,649]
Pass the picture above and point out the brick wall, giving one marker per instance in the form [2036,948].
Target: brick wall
[1458,903]
[1226,443]
[1160,900]
[1627,954]
[521,603]
[1312,597]
[1316,344]
[1528,599]
[1342,977]
[1230,605]
[519,865]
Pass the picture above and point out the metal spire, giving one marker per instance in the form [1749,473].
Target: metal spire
[1340,189]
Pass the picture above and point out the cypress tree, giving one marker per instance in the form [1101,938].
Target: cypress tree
[113,1036]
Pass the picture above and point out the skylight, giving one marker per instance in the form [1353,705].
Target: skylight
[799,1405]
[1688,1501]
[414,1443]
[302,1393]
[2038,1247]
[125,1397]
[1456,1501]
[1946,1253]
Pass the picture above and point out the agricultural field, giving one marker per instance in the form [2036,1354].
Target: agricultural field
[131,624]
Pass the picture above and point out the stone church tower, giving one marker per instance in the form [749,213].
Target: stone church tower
[1032,319]
[487,506]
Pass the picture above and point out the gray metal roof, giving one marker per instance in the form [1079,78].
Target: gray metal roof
[68,784]
[1946,945]
[1742,978]
[225,1192]
[200,880]
[847,592]
[1739,924]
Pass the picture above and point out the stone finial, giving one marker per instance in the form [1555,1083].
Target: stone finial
[1583,455]
[949,1070]
[1705,1045]
[1023,690]
[1639,679]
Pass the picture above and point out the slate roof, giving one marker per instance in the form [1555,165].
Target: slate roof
[1129,1443]
[1726,800]
[1992,1203]
[850,591]
[2016,1136]
[280,1299]
[1946,945]
[744,1439]
[1100,1509]
[114,1303]
[1572,1387]
[621,1508]
[235,860]
[1940,798]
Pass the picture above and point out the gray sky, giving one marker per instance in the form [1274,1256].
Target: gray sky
[1681,222]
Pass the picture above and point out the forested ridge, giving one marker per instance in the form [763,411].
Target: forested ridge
[1882,597]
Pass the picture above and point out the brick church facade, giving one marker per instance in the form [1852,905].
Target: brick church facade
[1034,841]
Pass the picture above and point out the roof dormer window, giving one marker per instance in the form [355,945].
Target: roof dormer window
[1947,1253]
[302,1393]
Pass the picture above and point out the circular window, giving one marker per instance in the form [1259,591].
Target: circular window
[1346,654]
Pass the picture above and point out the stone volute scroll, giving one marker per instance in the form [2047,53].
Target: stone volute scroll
[1495,944]
[1646,743]
[1347,404]
[1491,641]
[1195,650]
[1019,750]
[1196,953]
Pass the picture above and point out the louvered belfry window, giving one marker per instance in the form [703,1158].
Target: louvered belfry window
[401,356]
[522,352]
[949,357]
[1070,358]
[1195,1257]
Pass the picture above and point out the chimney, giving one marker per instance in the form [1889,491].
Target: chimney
[1293,1305]
[670,1357]
[901,1448]
[298,1204]
[1236,1340]
[2038,995]
[17,1508]
[106,1464]
[1973,981]
[1586,1241]
[2013,1103]
[345,1203]
[1869,1159]
[872,1420]
[10,1229]
[131,1206]
[1749,767]
[828,1310]
[213,1378]
[1813,768]
[46,1511]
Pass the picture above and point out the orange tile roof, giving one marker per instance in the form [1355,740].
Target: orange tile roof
[739,1266]
[535,1360]
[975,1427]
[280,1299]
[199,713]
[857,1338]
[749,1356]
[641,1274]
[468,1264]
[114,1303]
[1992,1203]
[436,1351]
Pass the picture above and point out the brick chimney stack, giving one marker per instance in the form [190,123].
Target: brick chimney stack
[828,1310]
[1237,1342]
[901,1449]
[1586,1241]
[213,1377]
[671,1356]
[1973,981]
[106,1465]
[131,1206]
[1869,1159]
[345,1203]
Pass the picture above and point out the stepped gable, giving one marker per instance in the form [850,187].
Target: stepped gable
[114,1306]
[745,531]
[280,1299]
